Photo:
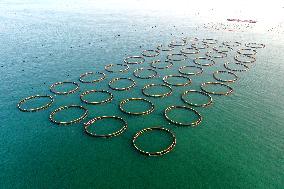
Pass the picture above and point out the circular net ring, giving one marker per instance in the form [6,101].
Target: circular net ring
[103,76]
[109,66]
[246,68]
[121,88]
[230,89]
[157,95]
[195,61]
[255,45]
[142,60]
[150,53]
[222,48]
[181,56]
[52,87]
[38,108]
[177,84]
[177,43]
[190,73]
[135,73]
[95,102]
[232,43]
[116,133]
[158,153]
[193,124]
[251,53]
[251,59]
[221,54]
[162,48]
[225,80]
[150,110]
[187,50]
[155,62]
[209,102]
[200,46]
[189,39]
[209,41]
[51,116]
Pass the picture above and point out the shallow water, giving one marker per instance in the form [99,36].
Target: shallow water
[239,143]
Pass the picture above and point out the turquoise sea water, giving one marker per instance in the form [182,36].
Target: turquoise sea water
[239,143]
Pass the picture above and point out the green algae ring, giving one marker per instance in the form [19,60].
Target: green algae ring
[158,153]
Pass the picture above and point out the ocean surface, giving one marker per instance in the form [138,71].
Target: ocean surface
[239,143]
